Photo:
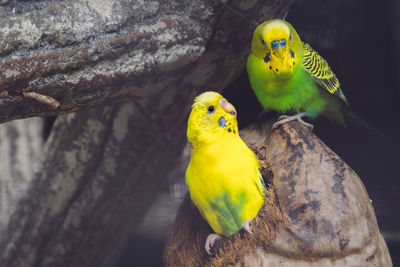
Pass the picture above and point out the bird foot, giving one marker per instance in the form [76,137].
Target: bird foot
[285,119]
[246,226]
[211,238]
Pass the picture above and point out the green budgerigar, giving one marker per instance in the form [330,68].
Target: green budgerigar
[288,76]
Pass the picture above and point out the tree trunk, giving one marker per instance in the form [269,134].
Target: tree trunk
[138,65]
[91,190]
[316,212]
[21,144]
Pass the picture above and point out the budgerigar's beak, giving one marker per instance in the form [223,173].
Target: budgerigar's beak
[279,48]
[279,51]
[228,107]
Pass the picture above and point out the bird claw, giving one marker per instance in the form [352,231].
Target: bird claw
[246,226]
[281,117]
[285,119]
[211,238]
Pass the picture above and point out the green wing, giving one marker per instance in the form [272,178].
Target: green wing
[321,72]
[261,185]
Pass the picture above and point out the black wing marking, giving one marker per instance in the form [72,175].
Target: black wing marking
[321,72]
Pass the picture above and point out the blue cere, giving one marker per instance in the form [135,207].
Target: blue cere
[275,44]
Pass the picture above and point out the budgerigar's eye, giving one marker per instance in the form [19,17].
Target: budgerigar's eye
[211,109]
[262,41]
[290,38]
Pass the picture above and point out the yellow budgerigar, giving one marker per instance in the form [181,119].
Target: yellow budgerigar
[223,174]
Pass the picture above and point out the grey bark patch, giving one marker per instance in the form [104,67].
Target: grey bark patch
[338,187]
[21,142]
[343,243]
[295,213]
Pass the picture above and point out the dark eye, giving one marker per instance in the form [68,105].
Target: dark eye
[290,38]
[210,109]
[262,41]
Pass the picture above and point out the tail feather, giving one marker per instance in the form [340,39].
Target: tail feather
[354,119]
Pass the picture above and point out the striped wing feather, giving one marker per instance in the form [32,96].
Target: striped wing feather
[321,72]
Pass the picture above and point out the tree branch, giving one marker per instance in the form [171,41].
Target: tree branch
[86,53]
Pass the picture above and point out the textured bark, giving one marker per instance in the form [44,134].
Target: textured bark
[20,148]
[91,189]
[317,212]
[88,52]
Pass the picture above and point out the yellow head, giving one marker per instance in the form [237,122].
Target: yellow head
[211,115]
[277,43]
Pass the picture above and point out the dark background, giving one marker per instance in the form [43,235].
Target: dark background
[361,41]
